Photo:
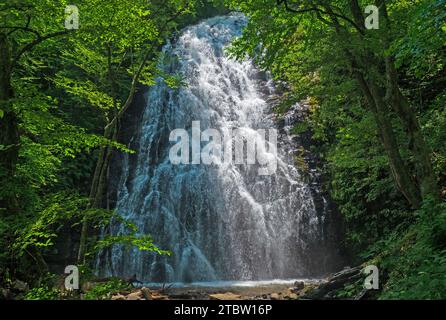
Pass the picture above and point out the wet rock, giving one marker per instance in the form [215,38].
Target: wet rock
[291,296]
[327,290]
[346,273]
[118,297]
[159,296]
[134,295]
[275,296]
[299,285]
[225,296]
[308,288]
[125,292]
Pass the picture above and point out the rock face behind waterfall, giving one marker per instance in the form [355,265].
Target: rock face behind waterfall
[222,222]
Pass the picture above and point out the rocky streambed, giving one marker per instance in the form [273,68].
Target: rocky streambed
[270,291]
[319,289]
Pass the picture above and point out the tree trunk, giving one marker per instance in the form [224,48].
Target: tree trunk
[417,144]
[420,150]
[98,188]
[398,168]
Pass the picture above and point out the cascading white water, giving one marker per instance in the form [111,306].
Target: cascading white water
[223,222]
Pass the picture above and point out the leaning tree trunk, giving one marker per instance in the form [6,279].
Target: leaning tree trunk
[417,144]
[98,187]
[400,171]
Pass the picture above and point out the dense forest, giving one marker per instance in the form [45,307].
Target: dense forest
[377,117]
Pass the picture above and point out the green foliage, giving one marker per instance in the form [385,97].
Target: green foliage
[423,39]
[62,209]
[45,289]
[361,181]
[42,293]
[434,125]
[411,259]
[300,128]
[350,290]
[104,291]
[414,258]
[42,230]
[142,243]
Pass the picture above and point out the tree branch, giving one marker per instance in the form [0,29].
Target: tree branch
[320,11]
[37,41]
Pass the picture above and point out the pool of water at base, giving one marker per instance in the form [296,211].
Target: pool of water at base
[230,283]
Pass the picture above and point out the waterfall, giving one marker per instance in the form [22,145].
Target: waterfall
[221,222]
